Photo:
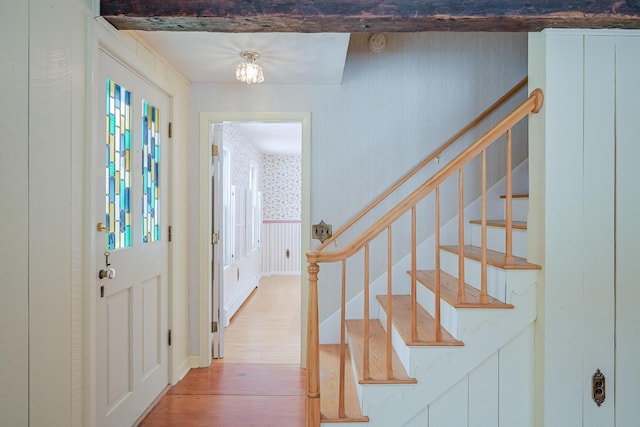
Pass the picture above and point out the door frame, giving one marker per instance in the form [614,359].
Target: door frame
[204,217]
[107,38]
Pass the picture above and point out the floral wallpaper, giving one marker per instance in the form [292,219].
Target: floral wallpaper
[282,188]
[243,153]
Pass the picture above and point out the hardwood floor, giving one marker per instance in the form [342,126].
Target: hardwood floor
[259,382]
[266,329]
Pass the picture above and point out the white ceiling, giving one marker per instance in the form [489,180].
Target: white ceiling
[286,59]
[283,139]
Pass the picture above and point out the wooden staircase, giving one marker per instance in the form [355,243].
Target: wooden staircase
[459,324]
[402,326]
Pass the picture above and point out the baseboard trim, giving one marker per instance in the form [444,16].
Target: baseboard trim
[194,361]
[182,370]
[231,307]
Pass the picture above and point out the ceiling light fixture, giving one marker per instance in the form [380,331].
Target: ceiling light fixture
[248,71]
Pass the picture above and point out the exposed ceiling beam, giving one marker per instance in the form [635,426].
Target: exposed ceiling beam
[313,16]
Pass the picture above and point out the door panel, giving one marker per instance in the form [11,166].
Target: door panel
[119,327]
[151,349]
[131,182]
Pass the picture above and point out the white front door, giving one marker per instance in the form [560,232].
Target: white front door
[131,248]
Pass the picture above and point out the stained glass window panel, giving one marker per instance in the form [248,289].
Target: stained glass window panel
[118,166]
[150,173]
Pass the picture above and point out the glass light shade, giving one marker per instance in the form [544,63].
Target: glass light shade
[249,73]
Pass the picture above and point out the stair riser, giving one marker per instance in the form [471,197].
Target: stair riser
[495,276]
[412,356]
[403,351]
[496,240]
[448,314]
[519,209]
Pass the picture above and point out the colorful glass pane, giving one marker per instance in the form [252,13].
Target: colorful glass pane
[150,170]
[118,166]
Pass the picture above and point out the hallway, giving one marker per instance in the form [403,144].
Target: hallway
[259,382]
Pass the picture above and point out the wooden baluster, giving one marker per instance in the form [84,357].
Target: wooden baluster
[414,303]
[343,345]
[365,357]
[484,298]
[438,327]
[508,227]
[312,400]
[389,310]
[462,297]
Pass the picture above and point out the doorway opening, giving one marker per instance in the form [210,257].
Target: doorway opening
[259,188]
[260,218]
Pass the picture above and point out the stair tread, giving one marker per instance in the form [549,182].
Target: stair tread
[401,307]
[516,225]
[377,354]
[329,387]
[516,196]
[449,291]
[494,258]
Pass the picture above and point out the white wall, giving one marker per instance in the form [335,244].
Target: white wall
[47,274]
[14,205]
[391,110]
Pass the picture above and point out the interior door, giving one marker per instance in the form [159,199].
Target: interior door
[217,290]
[131,248]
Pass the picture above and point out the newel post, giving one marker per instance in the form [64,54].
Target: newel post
[312,404]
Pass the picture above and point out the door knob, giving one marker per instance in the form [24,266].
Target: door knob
[109,273]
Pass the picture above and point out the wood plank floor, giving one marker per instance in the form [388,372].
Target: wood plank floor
[266,329]
[259,382]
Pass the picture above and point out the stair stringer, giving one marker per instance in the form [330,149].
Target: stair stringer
[437,369]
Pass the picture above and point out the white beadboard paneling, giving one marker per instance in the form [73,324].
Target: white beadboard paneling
[516,381]
[14,105]
[483,394]
[420,420]
[452,408]
[51,60]
[277,238]
[627,375]
[598,208]
[563,232]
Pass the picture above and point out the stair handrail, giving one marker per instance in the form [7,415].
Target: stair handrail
[434,155]
[531,105]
